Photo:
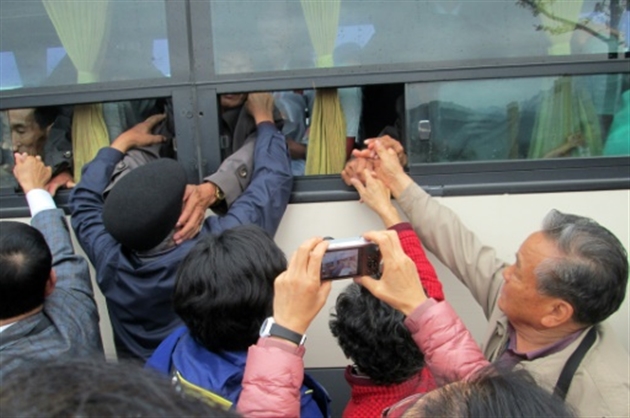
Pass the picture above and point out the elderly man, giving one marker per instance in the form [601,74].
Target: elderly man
[546,311]
[44,131]
[47,308]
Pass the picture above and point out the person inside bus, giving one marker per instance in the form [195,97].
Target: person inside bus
[547,307]
[128,236]
[47,307]
[223,293]
[363,325]
[45,131]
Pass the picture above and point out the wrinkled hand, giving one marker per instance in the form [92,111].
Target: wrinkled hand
[260,106]
[377,197]
[388,169]
[355,168]
[299,294]
[399,285]
[197,199]
[390,143]
[63,179]
[30,172]
[139,135]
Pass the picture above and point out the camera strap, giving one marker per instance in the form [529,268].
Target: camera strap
[564,381]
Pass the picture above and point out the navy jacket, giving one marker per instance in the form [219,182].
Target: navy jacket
[138,290]
[219,375]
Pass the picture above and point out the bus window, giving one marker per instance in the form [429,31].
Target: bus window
[507,119]
[290,35]
[53,43]
[67,137]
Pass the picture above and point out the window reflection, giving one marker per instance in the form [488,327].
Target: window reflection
[283,35]
[49,43]
[526,118]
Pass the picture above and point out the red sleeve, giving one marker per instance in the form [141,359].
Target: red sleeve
[412,247]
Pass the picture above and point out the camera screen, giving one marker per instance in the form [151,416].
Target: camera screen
[340,263]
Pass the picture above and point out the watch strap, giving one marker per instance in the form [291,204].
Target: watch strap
[286,334]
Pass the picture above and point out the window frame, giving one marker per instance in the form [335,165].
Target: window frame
[194,89]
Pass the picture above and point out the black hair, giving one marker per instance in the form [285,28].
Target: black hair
[46,115]
[373,335]
[25,266]
[224,287]
[95,388]
[492,392]
[593,275]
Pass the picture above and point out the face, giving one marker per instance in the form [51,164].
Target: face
[229,101]
[27,136]
[519,299]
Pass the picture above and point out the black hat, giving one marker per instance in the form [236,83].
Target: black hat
[143,207]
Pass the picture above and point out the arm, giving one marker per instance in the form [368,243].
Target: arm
[71,270]
[441,231]
[264,201]
[86,199]
[413,248]
[377,197]
[450,351]
[275,369]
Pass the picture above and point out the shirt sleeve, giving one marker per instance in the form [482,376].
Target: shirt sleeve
[39,200]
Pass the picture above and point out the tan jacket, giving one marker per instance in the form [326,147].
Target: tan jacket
[600,386]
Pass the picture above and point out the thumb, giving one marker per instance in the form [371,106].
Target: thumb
[369,283]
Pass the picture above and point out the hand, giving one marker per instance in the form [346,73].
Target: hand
[139,135]
[196,200]
[63,179]
[355,169]
[377,197]
[30,172]
[260,106]
[299,293]
[388,142]
[388,169]
[399,285]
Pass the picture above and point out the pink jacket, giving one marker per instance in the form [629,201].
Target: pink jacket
[272,381]
[274,370]
[449,349]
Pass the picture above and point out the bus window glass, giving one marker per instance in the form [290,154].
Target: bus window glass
[289,35]
[52,43]
[67,137]
[524,118]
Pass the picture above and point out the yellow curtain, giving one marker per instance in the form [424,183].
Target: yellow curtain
[82,27]
[326,152]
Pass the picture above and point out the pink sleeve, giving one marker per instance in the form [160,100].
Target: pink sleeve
[272,381]
[449,349]
[413,248]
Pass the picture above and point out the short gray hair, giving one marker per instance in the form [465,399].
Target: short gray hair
[593,274]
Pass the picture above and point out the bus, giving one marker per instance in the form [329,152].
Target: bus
[505,109]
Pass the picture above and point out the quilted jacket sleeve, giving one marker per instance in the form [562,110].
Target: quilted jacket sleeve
[272,381]
[449,349]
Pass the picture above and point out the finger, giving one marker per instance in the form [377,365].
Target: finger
[187,211]
[302,254]
[70,184]
[369,283]
[155,119]
[358,185]
[314,267]
[384,242]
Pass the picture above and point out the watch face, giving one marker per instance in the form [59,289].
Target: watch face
[266,326]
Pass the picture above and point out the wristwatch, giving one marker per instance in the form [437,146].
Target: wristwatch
[269,328]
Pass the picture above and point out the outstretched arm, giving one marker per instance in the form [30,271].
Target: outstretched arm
[86,198]
[264,201]
[449,349]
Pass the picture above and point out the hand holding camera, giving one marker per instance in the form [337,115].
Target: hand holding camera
[399,285]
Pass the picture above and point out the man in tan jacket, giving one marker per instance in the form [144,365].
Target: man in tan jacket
[546,311]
